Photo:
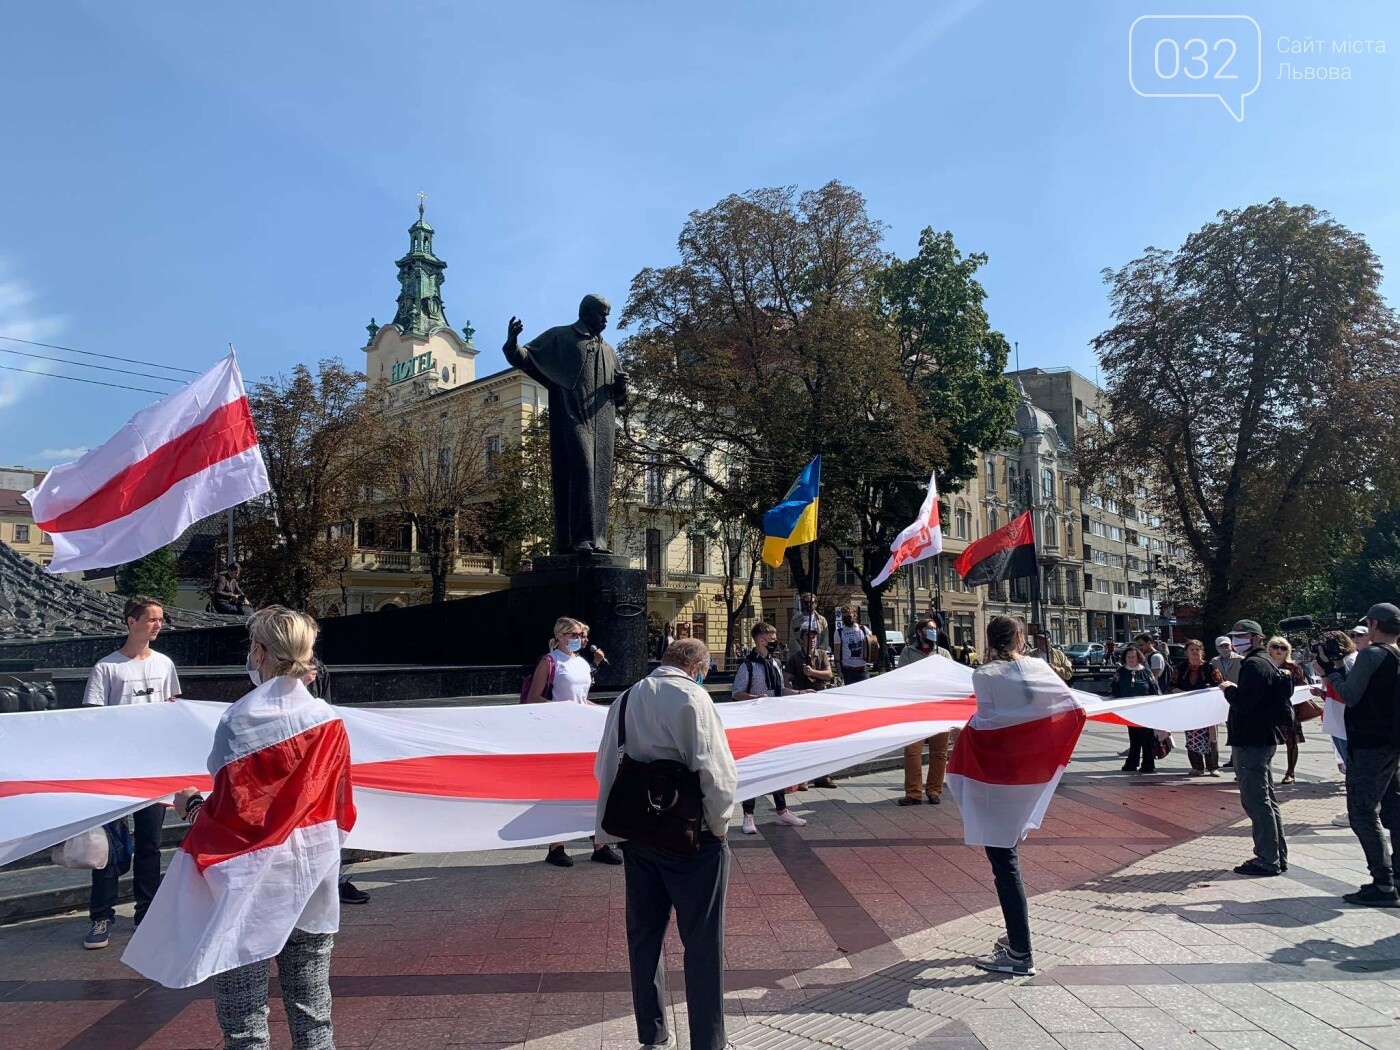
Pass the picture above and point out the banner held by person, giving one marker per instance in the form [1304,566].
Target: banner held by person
[923,539]
[437,780]
[793,522]
[192,454]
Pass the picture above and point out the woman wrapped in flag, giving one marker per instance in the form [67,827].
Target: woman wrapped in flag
[1004,770]
[256,875]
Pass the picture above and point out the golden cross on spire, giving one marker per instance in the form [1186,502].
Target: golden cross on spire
[421,198]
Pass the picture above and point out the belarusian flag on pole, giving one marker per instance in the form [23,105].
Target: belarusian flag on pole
[923,539]
[190,455]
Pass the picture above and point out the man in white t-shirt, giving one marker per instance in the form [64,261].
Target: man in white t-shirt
[134,674]
[852,643]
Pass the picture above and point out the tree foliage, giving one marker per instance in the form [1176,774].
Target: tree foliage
[321,435]
[785,331]
[154,576]
[1252,380]
[436,471]
[519,521]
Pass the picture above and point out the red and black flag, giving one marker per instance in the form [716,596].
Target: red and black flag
[1007,554]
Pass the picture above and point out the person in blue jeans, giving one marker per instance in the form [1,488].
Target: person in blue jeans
[134,674]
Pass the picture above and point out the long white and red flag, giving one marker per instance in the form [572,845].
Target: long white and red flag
[263,855]
[921,539]
[468,778]
[190,455]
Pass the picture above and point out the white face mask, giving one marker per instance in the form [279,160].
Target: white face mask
[253,673]
[1242,645]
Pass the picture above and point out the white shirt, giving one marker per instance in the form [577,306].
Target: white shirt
[573,677]
[850,641]
[1334,711]
[118,679]
[670,716]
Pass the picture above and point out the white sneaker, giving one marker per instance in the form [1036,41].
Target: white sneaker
[749,827]
[790,819]
[1341,820]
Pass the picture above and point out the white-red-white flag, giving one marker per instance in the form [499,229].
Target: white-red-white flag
[923,539]
[190,455]
[1010,757]
[263,855]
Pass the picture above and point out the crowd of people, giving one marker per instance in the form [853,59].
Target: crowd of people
[669,719]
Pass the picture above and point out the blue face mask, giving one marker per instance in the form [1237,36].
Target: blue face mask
[575,644]
[700,679]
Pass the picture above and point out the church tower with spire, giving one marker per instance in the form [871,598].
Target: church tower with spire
[418,353]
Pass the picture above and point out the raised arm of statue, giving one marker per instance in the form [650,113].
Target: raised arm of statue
[516,355]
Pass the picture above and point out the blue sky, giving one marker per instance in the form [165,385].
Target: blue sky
[178,177]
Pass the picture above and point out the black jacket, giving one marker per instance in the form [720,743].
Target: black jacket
[1134,683]
[1369,692]
[1260,703]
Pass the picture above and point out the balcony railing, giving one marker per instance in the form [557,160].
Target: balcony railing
[418,562]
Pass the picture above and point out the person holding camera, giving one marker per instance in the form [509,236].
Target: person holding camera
[761,675]
[1369,692]
[671,718]
[1260,704]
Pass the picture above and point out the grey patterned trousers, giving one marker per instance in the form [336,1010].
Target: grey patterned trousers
[304,972]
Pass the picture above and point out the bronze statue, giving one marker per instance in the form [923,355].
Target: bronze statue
[586,388]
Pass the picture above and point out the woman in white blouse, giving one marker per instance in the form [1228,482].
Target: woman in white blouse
[562,675]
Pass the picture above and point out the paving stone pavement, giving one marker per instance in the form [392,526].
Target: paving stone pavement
[854,932]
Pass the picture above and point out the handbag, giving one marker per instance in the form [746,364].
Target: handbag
[87,849]
[1162,744]
[655,804]
[1307,710]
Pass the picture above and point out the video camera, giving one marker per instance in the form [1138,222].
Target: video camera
[1324,650]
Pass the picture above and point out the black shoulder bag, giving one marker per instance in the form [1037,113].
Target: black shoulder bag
[655,804]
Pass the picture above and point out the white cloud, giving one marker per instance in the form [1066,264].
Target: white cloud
[50,456]
[20,318]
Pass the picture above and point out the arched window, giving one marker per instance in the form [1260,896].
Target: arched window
[993,521]
[1051,537]
[1047,485]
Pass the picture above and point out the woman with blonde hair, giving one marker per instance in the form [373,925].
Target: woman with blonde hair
[255,878]
[564,676]
[1280,651]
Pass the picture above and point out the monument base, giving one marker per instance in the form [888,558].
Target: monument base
[603,591]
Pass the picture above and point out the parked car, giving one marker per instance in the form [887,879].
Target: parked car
[1086,657]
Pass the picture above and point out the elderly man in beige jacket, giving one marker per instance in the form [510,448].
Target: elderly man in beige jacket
[671,716]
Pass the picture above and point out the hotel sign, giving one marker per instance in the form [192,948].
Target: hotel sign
[413,367]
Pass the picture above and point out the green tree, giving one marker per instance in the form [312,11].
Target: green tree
[519,520]
[154,575]
[1242,370]
[321,436]
[785,331]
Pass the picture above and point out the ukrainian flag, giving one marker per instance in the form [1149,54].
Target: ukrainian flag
[794,520]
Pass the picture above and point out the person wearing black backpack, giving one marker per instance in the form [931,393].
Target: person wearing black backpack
[1157,663]
[1369,692]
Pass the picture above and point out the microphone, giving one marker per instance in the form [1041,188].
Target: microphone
[590,650]
[1298,623]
